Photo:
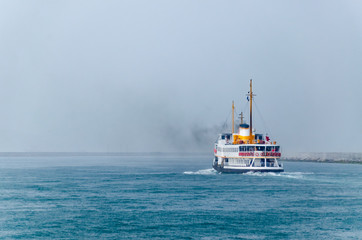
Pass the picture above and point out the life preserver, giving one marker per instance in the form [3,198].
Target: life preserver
[268,154]
[256,154]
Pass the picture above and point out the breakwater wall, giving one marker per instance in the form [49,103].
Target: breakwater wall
[324,157]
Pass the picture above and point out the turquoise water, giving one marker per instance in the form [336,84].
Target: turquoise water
[175,197]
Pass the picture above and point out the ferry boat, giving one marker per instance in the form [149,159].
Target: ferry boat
[245,150]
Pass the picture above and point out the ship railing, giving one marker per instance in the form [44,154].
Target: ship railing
[259,154]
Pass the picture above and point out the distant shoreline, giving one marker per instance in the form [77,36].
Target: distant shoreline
[321,161]
[75,154]
[327,157]
[353,158]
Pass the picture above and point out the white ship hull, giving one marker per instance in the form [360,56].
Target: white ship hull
[235,158]
[235,169]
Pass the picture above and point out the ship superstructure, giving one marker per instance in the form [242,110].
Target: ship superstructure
[244,150]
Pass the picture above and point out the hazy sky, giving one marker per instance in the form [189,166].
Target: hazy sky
[161,75]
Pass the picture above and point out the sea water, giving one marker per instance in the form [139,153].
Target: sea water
[175,197]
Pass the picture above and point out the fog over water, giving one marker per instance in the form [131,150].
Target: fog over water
[160,76]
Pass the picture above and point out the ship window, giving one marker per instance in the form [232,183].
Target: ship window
[259,136]
[260,148]
[226,160]
[268,148]
[223,137]
[251,148]
[276,148]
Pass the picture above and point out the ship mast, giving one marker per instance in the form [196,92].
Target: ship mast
[233,108]
[251,109]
